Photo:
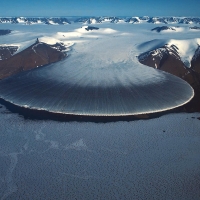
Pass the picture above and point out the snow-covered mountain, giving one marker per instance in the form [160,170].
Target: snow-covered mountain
[35,20]
[183,50]
[95,20]
[178,57]
[29,55]
[188,20]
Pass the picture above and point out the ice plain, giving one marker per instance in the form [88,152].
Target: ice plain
[145,159]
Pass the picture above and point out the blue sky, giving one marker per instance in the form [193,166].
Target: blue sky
[99,7]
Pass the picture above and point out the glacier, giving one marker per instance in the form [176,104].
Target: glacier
[100,77]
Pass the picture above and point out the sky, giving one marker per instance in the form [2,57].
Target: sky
[99,8]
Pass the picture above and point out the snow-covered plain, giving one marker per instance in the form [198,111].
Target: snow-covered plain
[145,159]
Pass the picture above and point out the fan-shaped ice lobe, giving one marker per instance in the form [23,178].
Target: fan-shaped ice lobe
[107,92]
[102,78]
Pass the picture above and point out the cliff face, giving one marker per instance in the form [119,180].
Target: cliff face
[168,59]
[34,56]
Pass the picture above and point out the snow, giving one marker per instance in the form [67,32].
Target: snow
[107,19]
[20,20]
[186,49]
[52,22]
[23,45]
[80,35]
[99,31]
[93,21]
[49,40]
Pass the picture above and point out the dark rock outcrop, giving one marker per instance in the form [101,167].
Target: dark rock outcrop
[90,28]
[195,28]
[163,28]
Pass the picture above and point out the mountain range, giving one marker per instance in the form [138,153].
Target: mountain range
[94,20]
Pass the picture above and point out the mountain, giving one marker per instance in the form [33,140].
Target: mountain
[38,54]
[92,20]
[133,20]
[95,20]
[170,58]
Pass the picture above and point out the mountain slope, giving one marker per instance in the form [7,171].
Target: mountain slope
[34,56]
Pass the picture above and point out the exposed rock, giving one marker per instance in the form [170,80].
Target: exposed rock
[90,28]
[7,51]
[36,55]
[163,28]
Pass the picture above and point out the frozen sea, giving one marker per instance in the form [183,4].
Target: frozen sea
[145,159]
